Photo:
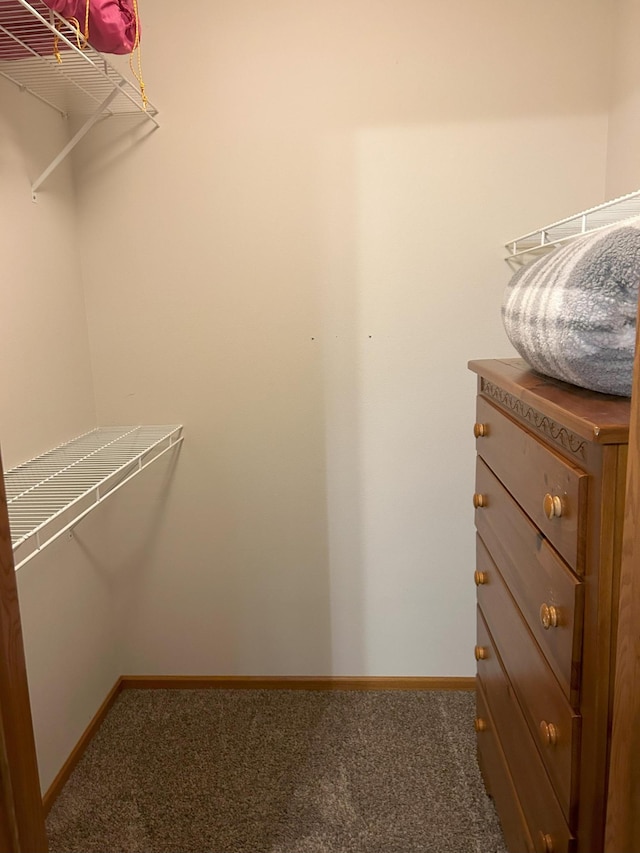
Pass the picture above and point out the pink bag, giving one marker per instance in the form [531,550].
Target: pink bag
[113,24]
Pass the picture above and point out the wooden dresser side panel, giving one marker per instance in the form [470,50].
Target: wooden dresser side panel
[623,811]
[602,579]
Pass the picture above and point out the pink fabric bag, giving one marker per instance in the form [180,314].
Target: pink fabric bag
[112,23]
[112,27]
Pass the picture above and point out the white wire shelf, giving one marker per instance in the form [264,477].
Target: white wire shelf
[82,84]
[47,496]
[545,239]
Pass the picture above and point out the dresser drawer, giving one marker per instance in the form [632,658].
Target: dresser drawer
[548,594]
[544,816]
[553,724]
[540,480]
[498,781]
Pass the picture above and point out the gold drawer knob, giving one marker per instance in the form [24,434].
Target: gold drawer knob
[479,724]
[552,506]
[479,500]
[549,616]
[480,430]
[480,578]
[548,733]
[480,653]
[547,842]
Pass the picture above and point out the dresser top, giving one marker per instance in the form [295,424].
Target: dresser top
[601,418]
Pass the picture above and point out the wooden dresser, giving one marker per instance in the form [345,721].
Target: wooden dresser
[549,500]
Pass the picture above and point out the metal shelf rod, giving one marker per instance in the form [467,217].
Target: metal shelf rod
[586,222]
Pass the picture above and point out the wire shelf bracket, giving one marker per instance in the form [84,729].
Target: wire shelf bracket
[86,127]
[81,83]
[539,242]
[49,495]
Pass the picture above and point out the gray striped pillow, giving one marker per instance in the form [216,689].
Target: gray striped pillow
[572,313]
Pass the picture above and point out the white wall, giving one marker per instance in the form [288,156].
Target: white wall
[298,266]
[623,163]
[46,393]
[46,398]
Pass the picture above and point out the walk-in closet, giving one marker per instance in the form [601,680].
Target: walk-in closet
[248,252]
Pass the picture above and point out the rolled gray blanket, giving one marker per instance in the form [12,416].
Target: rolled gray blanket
[572,313]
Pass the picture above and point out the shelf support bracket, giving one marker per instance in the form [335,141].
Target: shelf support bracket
[86,127]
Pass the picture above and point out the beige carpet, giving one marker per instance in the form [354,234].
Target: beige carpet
[256,771]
